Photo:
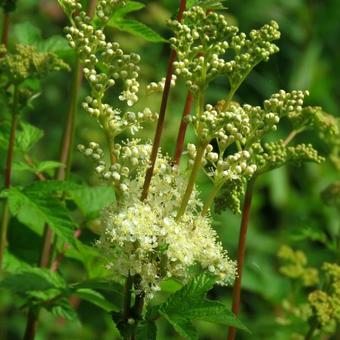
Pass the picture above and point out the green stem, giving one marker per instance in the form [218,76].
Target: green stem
[67,140]
[313,327]
[182,129]
[241,253]
[211,197]
[191,183]
[8,173]
[292,135]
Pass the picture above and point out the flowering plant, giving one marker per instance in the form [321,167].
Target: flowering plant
[156,230]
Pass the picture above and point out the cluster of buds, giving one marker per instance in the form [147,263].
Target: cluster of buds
[202,40]
[92,48]
[105,8]
[251,51]
[159,87]
[228,126]
[286,103]
[273,155]
[26,63]
[129,157]
[113,120]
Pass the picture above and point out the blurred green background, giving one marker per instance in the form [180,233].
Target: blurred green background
[287,207]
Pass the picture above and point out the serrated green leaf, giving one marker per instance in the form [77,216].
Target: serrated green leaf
[88,199]
[131,6]
[56,44]
[22,166]
[99,284]
[207,4]
[146,330]
[138,29]
[34,279]
[62,309]
[183,326]
[96,298]
[27,137]
[92,199]
[48,165]
[13,264]
[189,304]
[35,209]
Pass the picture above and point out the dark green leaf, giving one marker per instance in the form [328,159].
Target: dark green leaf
[34,279]
[146,330]
[99,284]
[96,298]
[138,29]
[35,209]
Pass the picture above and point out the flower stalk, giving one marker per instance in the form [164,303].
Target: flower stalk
[162,111]
[241,253]
[182,129]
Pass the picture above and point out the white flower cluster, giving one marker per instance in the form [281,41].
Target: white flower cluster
[130,156]
[144,238]
[159,87]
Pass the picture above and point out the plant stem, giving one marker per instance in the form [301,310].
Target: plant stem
[8,173]
[127,297]
[160,123]
[241,253]
[210,199]
[66,146]
[191,183]
[61,174]
[31,325]
[183,128]
[292,135]
[5,29]
[311,330]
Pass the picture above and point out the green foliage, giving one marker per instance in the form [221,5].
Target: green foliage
[132,26]
[189,304]
[37,208]
[8,5]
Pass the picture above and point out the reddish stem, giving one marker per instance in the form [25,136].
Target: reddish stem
[160,123]
[5,29]
[183,128]
[8,173]
[241,254]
